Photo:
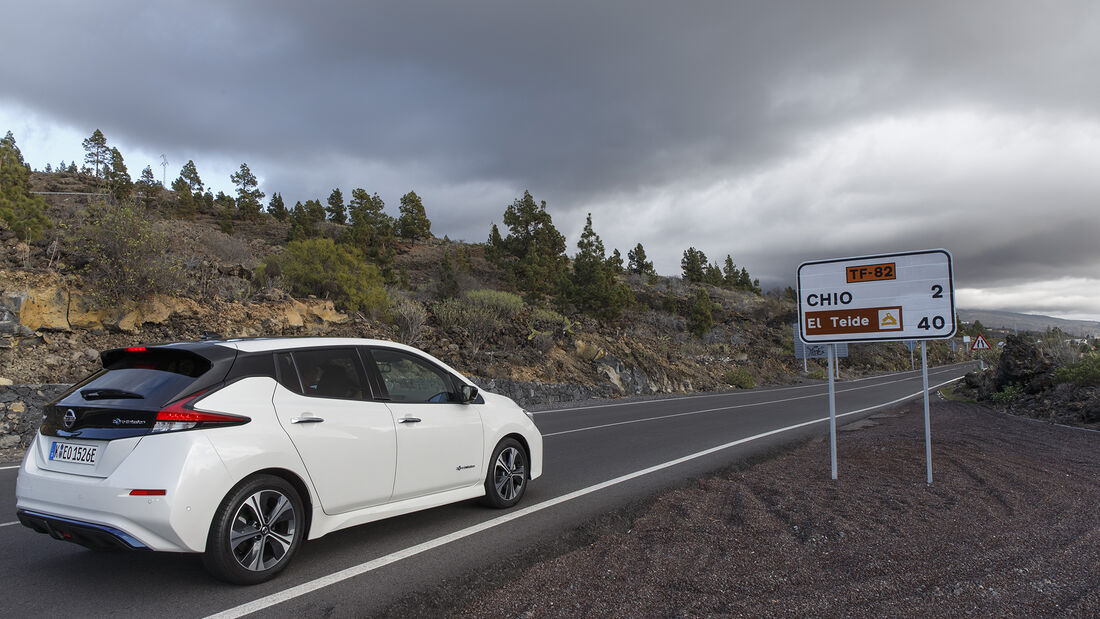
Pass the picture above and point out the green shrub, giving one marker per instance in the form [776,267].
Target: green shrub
[1085,372]
[502,304]
[740,378]
[479,322]
[321,267]
[409,316]
[1008,395]
[547,318]
[127,257]
[817,374]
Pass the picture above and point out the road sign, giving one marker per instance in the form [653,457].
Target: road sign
[906,296]
[979,343]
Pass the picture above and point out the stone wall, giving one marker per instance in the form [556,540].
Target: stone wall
[21,412]
[528,394]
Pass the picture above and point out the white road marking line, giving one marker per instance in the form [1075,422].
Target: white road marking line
[733,393]
[4,468]
[357,570]
[8,524]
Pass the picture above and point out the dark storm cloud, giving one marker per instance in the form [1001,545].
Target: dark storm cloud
[586,104]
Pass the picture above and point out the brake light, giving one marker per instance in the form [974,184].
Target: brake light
[144,492]
[136,349]
[181,415]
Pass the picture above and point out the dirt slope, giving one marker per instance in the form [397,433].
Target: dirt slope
[1009,528]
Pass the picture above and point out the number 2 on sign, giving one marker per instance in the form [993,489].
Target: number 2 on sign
[937,291]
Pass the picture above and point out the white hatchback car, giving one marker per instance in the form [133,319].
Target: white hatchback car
[242,449]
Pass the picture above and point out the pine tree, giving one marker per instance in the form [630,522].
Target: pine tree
[117,177]
[224,208]
[595,288]
[190,174]
[413,224]
[249,197]
[185,200]
[448,287]
[277,208]
[494,247]
[147,177]
[744,282]
[96,152]
[637,262]
[372,229]
[22,211]
[337,212]
[729,273]
[148,186]
[615,261]
[533,253]
[700,319]
[713,274]
[49,168]
[694,264]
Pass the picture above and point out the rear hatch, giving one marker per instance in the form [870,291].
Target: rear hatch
[91,428]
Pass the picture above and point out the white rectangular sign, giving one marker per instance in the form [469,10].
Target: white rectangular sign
[906,296]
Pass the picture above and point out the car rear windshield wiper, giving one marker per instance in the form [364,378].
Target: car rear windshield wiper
[110,394]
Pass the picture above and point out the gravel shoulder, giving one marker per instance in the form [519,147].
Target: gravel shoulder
[1009,527]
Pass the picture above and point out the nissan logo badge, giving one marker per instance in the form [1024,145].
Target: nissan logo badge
[69,420]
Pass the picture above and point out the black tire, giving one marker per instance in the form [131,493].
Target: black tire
[256,531]
[507,474]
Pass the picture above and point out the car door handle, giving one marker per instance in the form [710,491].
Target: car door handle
[306,419]
[409,420]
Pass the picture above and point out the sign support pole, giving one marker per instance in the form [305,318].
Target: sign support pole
[832,409]
[927,421]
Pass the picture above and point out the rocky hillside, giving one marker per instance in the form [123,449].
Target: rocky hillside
[53,319]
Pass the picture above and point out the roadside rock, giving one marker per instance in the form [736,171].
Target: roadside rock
[1023,363]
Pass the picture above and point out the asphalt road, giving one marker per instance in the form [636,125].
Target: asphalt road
[600,457]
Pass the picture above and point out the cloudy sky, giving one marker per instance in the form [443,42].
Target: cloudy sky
[776,132]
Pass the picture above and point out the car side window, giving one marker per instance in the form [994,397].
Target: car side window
[331,373]
[286,374]
[410,379]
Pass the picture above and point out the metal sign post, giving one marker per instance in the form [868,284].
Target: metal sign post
[979,345]
[927,418]
[887,297]
[832,410]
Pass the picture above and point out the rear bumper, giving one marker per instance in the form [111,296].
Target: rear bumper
[87,534]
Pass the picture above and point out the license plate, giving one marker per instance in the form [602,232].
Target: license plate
[74,452]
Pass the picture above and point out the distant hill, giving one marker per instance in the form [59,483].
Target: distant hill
[1030,322]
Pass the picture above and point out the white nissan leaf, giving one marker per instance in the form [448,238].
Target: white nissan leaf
[243,449]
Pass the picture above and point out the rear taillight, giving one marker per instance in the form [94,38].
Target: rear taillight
[181,415]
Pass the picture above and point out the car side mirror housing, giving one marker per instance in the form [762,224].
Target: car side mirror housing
[469,393]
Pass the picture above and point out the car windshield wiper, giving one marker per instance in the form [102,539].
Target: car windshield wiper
[110,394]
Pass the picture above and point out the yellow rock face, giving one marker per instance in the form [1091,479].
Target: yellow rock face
[46,308]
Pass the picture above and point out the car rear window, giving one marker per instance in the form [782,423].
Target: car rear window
[141,378]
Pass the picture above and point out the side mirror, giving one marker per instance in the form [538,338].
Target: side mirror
[469,393]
